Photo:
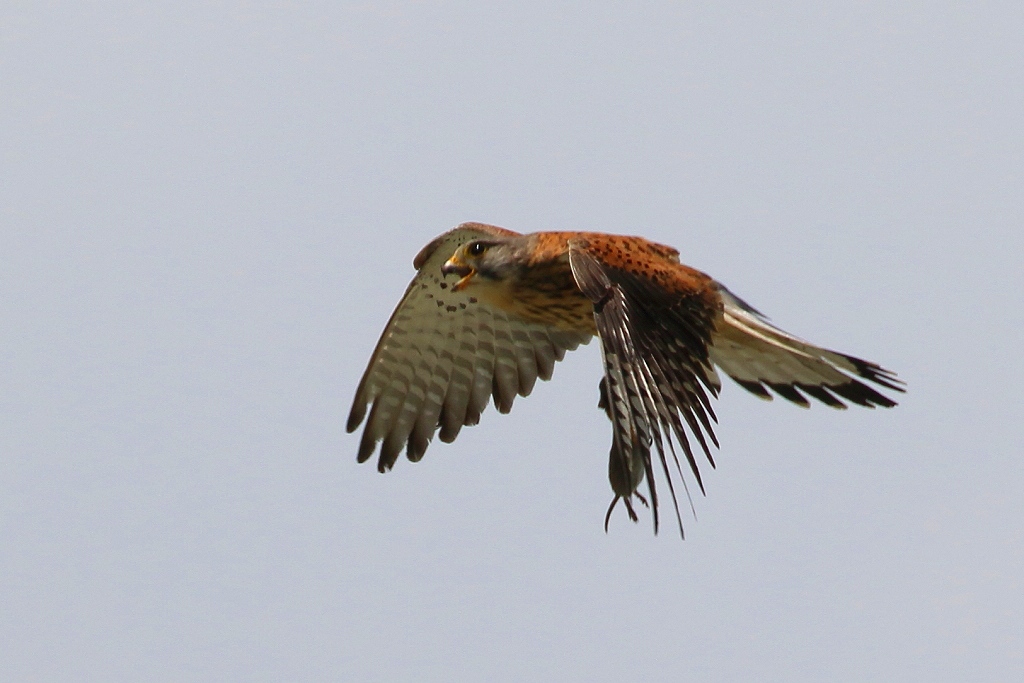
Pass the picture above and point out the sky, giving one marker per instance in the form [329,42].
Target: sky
[209,210]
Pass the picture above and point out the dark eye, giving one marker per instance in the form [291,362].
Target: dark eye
[476,248]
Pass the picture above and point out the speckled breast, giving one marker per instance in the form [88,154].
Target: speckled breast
[544,293]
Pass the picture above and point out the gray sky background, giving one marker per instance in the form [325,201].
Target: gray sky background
[208,211]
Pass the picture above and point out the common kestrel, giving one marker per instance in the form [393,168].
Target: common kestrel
[491,310]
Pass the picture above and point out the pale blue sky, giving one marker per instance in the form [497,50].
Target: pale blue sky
[208,211]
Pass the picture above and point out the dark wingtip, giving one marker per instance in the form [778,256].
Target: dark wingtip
[822,395]
[416,446]
[862,395]
[789,393]
[355,417]
[877,374]
[366,448]
[755,388]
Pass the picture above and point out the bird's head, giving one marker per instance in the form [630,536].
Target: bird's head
[491,260]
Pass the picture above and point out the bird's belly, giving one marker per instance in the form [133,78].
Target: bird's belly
[569,310]
[549,302]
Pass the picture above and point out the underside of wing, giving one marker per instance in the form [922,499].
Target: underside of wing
[760,356]
[442,357]
[655,328]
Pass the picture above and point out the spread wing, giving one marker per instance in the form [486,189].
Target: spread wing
[757,355]
[442,356]
[655,320]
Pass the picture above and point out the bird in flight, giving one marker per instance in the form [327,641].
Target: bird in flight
[491,310]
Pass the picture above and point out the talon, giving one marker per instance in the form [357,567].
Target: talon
[608,515]
[629,508]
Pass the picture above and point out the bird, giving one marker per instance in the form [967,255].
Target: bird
[490,311]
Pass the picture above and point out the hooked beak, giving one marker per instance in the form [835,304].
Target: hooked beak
[456,266]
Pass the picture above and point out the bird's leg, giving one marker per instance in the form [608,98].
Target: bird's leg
[608,515]
[624,472]
[629,509]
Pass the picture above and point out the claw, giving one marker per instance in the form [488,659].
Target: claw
[629,508]
[608,515]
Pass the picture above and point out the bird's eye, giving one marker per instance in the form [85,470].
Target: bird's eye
[476,248]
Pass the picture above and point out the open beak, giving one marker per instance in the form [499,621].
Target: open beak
[456,266]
